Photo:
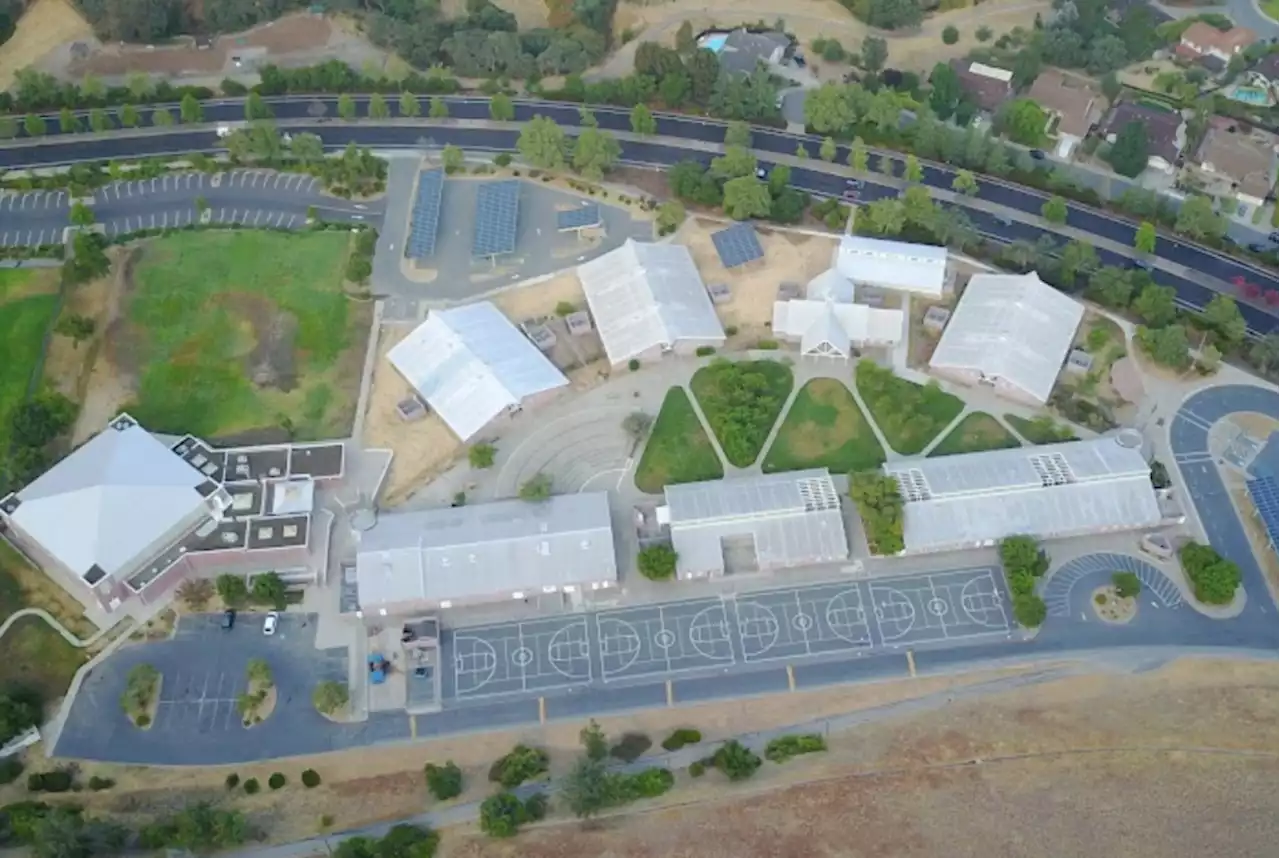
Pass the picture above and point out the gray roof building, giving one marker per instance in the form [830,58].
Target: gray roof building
[112,503]
[743,50]
[441,558]
[783,520]
[1055,490]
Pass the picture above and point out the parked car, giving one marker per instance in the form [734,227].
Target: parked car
[1038,155]
[762,171]
[228,618]
[271,623]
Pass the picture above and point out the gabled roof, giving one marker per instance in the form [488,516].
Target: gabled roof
[893,264]
[1249,160]
[111,502]
[830,285]
[1078,105]
[470,364]
[743,49]
[989,86]
[1011,327]
[1204,36]
[644,295]
[837,325]
[1165,136]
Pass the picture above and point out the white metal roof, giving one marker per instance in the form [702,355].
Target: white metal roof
[899,265]
[830,285]
[1067,489]
[486,552]
[470,364]
[112,503]
[1011,327]
[837,325]
[643,295]
[793,519]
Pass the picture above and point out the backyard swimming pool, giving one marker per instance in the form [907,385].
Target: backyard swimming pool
[713,42]
[1250,95]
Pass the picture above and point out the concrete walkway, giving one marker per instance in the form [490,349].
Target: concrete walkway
[55,625]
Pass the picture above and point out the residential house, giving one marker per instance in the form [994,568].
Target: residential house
[1072,104]
[990,87]
[1203,40]
[1236,162]
[743,50]
[1166,132]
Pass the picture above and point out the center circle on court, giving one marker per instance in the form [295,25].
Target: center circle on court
[523,657]
[803,622]
[665,639]
[938,607]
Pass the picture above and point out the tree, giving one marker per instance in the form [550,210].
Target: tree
[670,216]
[1167,346]
[307,148]
[200,828]
[746,197]
[1111,86]
[161,117]
[858,155]
[642,121]
[779,179]
[256,109]
[1029,610]
[501,815]
[195,593]
[1023,554]
[378,108]
[738,134]
[735,162]
[452,158]
[595,743]
[587,119]
[259,671]
[1077,258]
[20,710]
[886,216]
[874,52]
[129,117]
[1197,218]
[189,110]
[1155,305]
[1210,360]
[827,151]
[657,562]
[542,143]
[1126,584]
[588,788]
[536,488]
[595,153]
[945,91]
[1128,155]
[481,455]
[232,590]
[1023,121]
[983,33]
[1265,353]
[1054,210]
[1111,287]
[81,214]
[99,121]
[685,42]
[1222,314]
[736,760]
[34,125]
[827,109]
[1213,578]
[1144,238]
[67,121]
[411,108]
[1106,54]
[950,35]
[330,697]
[965,183]
[346,107]
[501,109]
[878,500]
[407,841]
[444,782]
[913,172]
[269,589]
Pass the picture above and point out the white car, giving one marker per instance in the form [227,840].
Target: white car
[271,623]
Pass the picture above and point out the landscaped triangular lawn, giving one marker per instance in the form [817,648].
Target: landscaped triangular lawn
[678,449]
[825,428]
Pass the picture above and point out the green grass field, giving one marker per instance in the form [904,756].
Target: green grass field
[231,332]
[910,415]
[741,401]
[31,653]
[976,433]
[1039,430]
[28,302]
[678,449]
[1272,9]
[824,428]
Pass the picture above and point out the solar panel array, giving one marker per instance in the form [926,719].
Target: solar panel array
[1264,492]
[737,245]
[579,218]
[424,221]
[497,213]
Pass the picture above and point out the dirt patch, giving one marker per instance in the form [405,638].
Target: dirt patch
[1111,607]
[43,27]
[109,380]
[421,449]
[788,256]
[271,361]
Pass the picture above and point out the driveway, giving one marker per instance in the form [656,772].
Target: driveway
[1244,12]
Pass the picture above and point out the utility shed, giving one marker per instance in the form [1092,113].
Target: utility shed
[1075,488]
[648,299]
[761,523]
[471,365]
[511,549]
[898,265]
[1010,331]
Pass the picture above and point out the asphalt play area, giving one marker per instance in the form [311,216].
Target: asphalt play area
[640,644]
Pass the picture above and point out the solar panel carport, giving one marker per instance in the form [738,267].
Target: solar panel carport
[424,218]
[497,215]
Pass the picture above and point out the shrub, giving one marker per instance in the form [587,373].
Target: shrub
[767,345]
[251,786]
[232,781]
[276,781]
[1022,583]
[736,760]
[142,721]
[58,780]
[444,782]
[705,351]
[1100,599]
[1127,584]
[501,815]
[502,159]
[1029,611]
[535,806]
[565,308]
[630,747]
[680,737]
[98,784]
[520,765]
[311,779]
[10,770]
[697,768]
[950,35]
[1213,578]
[633,364]
[784,748]
[649,783]
[730,330]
